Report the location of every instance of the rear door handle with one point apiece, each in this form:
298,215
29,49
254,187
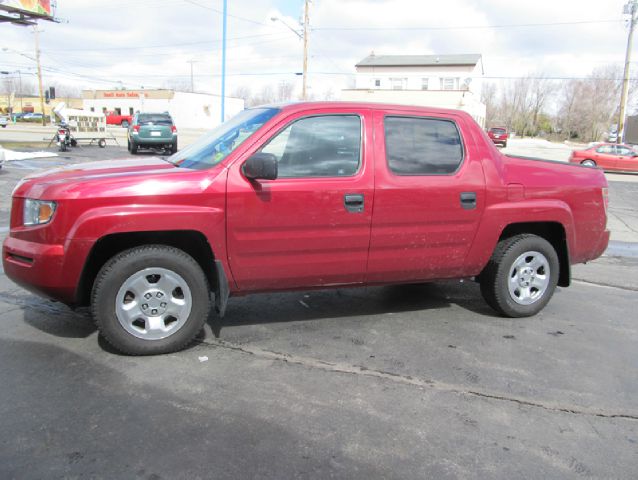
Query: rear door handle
354,203
468,200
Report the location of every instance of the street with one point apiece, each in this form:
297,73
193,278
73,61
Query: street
410,381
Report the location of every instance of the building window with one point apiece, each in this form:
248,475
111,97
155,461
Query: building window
398,83
377,82
424,84
93,109
449,83
130,111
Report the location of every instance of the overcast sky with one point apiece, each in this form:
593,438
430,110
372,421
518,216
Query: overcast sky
111,43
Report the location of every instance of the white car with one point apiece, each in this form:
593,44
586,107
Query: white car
4,121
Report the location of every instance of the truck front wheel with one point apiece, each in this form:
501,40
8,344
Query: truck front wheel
150,300
521,276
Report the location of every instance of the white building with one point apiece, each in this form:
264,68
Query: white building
447,81
189,110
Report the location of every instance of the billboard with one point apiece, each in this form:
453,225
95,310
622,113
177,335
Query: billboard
29,7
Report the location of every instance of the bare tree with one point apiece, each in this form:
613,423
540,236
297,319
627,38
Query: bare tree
489,98
588,107
540,91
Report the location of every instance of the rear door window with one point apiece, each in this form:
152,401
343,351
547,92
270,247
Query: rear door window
422,146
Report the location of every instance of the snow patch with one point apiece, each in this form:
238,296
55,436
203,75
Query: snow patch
10,155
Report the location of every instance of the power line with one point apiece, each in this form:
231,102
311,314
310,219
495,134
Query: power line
212,9
165,45
472,27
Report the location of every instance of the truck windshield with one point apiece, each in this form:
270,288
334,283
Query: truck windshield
213,147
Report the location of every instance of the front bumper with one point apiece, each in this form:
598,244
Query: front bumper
39,268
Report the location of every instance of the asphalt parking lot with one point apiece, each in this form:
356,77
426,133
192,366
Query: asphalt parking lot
421,381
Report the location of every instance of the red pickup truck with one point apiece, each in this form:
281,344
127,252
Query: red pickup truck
301,196
114,118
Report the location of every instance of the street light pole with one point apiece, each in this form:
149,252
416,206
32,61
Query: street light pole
37,59
225,21
306,20
303,36
630,8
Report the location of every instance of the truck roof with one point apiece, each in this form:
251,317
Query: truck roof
301,106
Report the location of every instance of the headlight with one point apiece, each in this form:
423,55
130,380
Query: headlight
37,212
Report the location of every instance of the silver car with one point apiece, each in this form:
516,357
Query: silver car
4,121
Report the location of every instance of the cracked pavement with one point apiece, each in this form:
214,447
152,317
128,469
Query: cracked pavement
419,381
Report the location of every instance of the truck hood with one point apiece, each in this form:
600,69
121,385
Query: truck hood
82,171
113,177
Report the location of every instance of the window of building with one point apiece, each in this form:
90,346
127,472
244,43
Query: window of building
424,84
377,82
93,109
449,83
118,111
398,83
323,146
422,146
130,111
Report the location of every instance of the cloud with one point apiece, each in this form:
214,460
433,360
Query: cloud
149,42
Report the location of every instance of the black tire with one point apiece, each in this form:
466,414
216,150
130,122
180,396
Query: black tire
62,147
174,147
124,124
133,147
118,272
588,162
495,278
504,144
101,143
74,142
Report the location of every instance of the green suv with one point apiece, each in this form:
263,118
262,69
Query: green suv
152,130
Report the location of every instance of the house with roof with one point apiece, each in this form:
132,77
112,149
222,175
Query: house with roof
447,81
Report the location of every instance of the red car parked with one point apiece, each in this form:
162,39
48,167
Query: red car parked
498,135
608,156
300,196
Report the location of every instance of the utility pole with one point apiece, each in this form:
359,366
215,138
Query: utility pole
37,59
306,21
630,8
192,83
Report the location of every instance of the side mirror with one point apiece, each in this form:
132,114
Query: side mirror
261,166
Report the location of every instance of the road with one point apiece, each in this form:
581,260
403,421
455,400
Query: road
420,381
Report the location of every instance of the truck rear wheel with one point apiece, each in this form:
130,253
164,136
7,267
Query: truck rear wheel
150,300
521,276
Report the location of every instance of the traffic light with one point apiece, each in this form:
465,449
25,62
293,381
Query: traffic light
47,97
52,93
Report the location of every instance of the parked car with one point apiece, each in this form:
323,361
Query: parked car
608,156
32,116
282,198
114,118
498,135
4,121
152,130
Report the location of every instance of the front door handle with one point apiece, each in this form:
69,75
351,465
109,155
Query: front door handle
468,200
354,203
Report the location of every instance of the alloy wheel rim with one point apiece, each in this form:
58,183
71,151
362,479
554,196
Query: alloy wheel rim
153,303
529,278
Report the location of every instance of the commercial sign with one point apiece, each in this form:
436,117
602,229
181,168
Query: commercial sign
37,7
